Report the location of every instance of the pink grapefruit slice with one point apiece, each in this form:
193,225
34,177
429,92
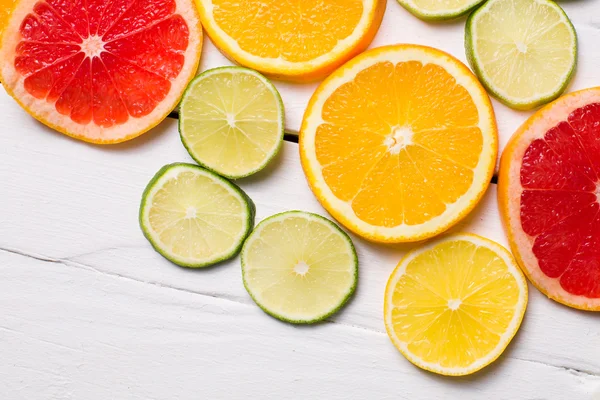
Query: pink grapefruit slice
103,71
549,196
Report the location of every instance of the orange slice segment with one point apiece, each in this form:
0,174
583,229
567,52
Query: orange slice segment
293,39
400,143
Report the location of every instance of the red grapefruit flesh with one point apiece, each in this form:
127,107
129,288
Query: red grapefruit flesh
549,194
103,71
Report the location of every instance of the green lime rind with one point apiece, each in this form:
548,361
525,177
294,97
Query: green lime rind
250,211
477,68
317,318
439,16
280,107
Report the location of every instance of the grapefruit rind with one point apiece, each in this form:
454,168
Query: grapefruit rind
155,185
506,337
134,127
278,68
341,210
510,190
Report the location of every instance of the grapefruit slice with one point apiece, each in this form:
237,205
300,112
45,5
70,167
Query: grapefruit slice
549,199
103,71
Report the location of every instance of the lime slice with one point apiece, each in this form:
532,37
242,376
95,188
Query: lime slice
231,121
299,267
436,10
193,217
523,51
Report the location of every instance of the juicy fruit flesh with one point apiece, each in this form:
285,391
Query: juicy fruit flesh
399,142
101,61
196,217
524,46
560,209
294,30
441,5
299,267
454,303
231,122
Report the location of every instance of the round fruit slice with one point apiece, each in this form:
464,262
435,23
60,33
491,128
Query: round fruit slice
296,41
299,267
193,217
549,196
231,121
6,7
452,306
400,143
102,71
435,10
524,51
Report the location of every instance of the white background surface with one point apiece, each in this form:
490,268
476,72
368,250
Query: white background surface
89,312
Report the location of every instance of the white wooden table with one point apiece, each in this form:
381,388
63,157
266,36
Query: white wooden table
88,311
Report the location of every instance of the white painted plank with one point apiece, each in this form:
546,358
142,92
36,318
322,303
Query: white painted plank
66,200
399,26
68,332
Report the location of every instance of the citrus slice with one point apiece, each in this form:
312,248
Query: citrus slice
400,143
524,51
6,7
299,267
231,121
298,40
453,306
193,217
102,71
549,197
436,10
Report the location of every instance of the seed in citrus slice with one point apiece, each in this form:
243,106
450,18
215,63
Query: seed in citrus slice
193,217
400,143
102,71
231,121
549,197
453,305
524,51
299,41
299,267
435,10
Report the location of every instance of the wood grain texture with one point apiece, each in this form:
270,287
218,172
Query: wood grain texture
399,26
90,311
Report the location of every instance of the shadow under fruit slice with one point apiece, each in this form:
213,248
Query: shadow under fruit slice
299,267
400,143
549,196
102,71
453,305
194,217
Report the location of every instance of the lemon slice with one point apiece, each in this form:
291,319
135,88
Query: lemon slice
193,217
231,121
436,10
524,51
453,305
299,267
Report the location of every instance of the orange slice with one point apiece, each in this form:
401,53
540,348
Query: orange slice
6,7
293,40
102,71
400,143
